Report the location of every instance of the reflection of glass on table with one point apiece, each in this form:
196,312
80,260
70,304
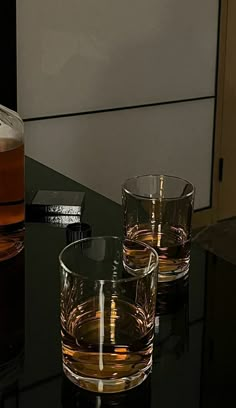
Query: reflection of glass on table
172,319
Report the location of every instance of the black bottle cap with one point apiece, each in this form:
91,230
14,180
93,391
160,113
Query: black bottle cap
76,231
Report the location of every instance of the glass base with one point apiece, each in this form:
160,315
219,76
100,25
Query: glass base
108,386
11,244
170,276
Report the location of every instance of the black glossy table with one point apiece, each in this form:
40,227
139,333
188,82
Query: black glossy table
195,342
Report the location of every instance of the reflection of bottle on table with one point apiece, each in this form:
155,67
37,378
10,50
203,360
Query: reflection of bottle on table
11,321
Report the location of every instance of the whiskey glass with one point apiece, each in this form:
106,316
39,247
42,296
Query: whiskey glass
158,210
108,299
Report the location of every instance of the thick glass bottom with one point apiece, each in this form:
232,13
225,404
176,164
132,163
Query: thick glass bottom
108,385
169,276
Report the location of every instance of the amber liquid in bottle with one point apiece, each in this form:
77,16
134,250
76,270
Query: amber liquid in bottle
11,196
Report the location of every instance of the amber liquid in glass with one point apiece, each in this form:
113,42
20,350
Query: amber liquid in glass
11,195
107,343
172,246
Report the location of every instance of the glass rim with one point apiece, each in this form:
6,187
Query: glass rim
10,115
144,197
112,237
9,111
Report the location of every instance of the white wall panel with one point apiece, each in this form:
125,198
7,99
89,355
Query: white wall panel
79,55
102,150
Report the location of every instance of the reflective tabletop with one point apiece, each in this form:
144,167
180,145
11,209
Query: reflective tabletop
195,335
